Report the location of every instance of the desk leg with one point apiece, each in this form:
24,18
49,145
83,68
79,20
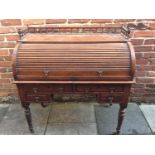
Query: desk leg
28,117
121,115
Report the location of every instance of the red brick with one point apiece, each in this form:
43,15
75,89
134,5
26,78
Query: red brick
143,48
8,58
150,41
143,33
5,69
2,58
1,38
7,44
151,73
139,95
89,30
137,41
139,90
149,55
11,51
4,52
6,86
10,22
124,20
101,20
114,25
152,62
148,91
137,85
78,20
5,63
5,58
33,21
141,61
5,81
55,21
152,25
145,80
6,75
142,20
4,30
14,93
9,69
2,93
140,73
150,85
12,37
146,68
2,69
138,55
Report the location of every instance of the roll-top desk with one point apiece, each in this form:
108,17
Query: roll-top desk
50,60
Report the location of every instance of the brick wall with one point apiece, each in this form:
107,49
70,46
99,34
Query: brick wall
143,41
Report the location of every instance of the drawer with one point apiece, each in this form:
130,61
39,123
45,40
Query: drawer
37,98
109,98
60,88
48,88
99,88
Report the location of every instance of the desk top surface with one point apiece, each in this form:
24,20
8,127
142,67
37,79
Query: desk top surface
49,37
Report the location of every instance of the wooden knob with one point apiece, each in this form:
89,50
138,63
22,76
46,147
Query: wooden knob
35,90
60,89
37,98
46,73
100,73
112,90
110,99
87,90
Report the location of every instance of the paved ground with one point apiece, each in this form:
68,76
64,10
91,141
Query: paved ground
77,119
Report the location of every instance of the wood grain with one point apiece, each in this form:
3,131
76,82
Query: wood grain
102,64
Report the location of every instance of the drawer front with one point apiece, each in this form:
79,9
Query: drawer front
100,88
37,98
48,88
60,88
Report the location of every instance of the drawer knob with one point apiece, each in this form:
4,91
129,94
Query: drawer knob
110,99
37,98
100,73
35,90
60,89
112,90
46,73
87,90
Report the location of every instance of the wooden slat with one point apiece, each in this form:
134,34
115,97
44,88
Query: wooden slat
78,61
73,72
73,50
74,63
74,46
77,69
68,53
67,57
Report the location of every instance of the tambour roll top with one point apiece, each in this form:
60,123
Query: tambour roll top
74,57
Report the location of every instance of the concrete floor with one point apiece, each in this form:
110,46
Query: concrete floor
77,119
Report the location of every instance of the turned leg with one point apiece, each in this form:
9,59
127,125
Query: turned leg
121,115
28,117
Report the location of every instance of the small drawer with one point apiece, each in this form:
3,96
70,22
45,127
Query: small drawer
113,89
37,98
60,88
48,88
100,88
89,88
